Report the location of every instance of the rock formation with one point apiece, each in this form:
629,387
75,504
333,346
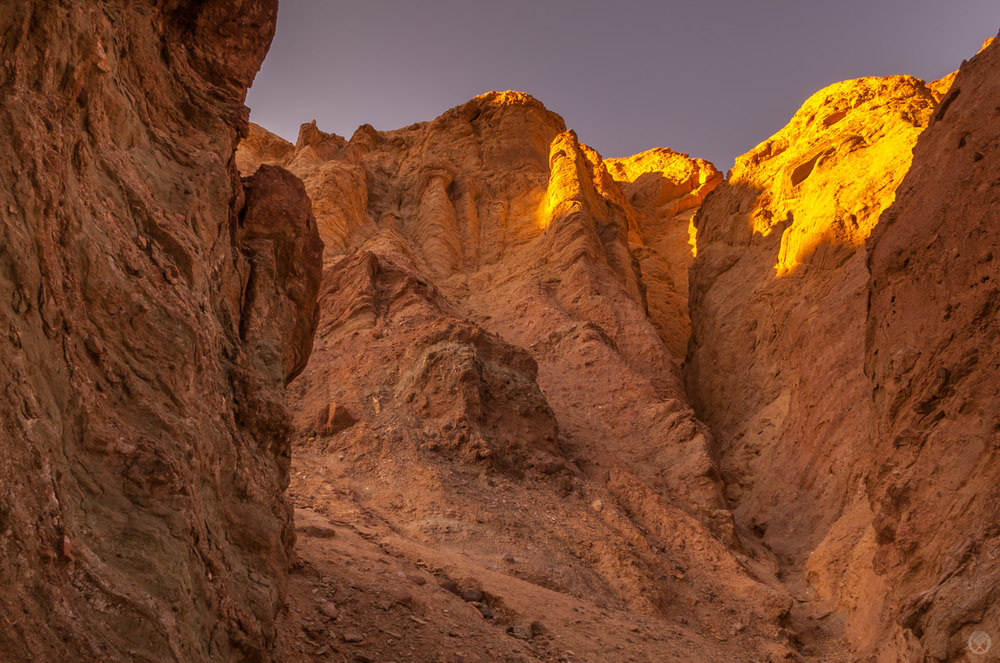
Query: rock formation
879,509
496,401
143,426
778,307
932,357
484,323
665,189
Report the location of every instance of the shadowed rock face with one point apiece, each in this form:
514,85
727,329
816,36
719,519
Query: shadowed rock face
778,304
933,357
143,426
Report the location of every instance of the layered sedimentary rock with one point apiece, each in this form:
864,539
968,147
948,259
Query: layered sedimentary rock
486,373
143,427
869,502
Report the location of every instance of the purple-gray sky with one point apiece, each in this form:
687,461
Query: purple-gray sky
711,78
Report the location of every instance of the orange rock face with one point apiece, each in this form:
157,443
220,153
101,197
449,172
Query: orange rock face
932,357
868,503
665,189
778,304
498,453
484,326
143,431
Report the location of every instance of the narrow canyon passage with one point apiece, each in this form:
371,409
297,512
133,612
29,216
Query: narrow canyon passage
469,391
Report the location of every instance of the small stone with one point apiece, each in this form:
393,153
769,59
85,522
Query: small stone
94,346
508,558
471,595
417,579
519,632
597,505
485,611
332,418
448,584
328,610
536,628
352,636
315,630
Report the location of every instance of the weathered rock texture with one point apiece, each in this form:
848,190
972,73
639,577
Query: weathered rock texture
933,357
778,304
881,510
143,432
665,189
487,376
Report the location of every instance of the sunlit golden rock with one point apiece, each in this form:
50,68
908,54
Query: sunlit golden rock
664,188
778,307
823,180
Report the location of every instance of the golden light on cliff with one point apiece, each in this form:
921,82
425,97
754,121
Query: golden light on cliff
547,209
823,181
693,237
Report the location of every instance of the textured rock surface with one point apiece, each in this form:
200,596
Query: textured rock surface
484,325
932,355
665,189
880,510
143,427
778,304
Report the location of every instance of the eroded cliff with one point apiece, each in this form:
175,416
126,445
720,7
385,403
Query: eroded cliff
496,454
487,376
841,308
932,358
143,427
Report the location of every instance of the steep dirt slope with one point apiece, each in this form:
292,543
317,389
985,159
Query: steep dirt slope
790,338
933,359
143,431
488,392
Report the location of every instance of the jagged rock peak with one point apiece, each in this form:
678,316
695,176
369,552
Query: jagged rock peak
310,134
508,98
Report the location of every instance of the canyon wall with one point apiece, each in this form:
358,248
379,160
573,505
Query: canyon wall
152,313
778,306
932,356
488,374
851,415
